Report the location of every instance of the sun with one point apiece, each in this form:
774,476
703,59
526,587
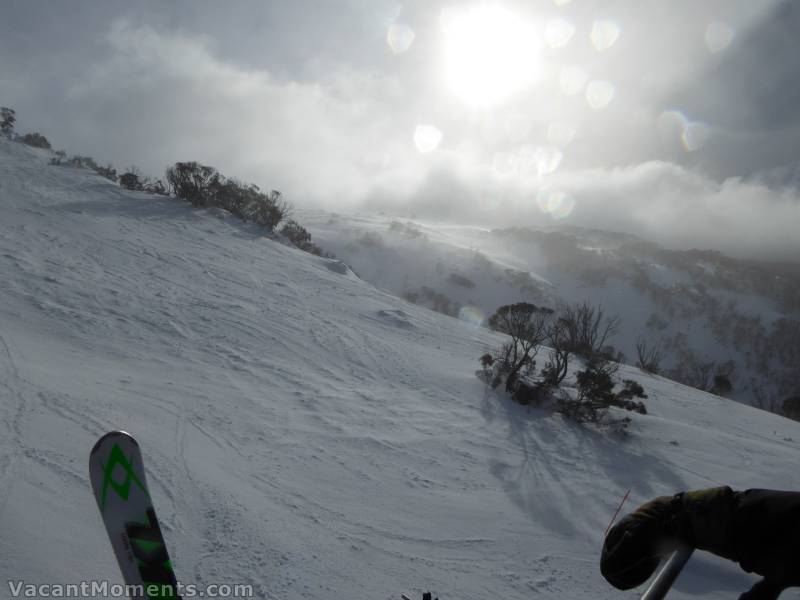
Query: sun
490,53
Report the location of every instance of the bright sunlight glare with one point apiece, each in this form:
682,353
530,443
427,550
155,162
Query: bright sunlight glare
490,53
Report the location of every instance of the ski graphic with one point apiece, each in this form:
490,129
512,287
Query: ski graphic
120,489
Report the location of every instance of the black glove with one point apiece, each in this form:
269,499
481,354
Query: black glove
760,529
767,540
634,546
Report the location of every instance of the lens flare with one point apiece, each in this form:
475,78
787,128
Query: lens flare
557,204
505,164
528,160
572,80
545,160
669,119
604,34
427,138
719,36
599,94
558,33
694,136
561,134
399,37
472,315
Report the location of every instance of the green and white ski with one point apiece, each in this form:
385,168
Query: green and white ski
120,488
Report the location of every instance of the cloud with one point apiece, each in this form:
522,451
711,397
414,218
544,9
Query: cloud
658,201
346,141
169,98
683,208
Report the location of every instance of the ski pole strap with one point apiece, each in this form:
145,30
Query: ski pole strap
668,574
614,518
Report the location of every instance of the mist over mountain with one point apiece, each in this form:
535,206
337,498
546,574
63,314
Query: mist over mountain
708,311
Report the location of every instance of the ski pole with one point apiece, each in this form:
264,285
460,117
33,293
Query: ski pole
668,574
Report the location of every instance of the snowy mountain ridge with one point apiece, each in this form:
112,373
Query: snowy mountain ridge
711,314
304,431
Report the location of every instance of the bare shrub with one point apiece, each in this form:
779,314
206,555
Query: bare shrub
649,357
202,185
190,181
595,384
461,280
131,180
83,162
526,324
37,140
722,385
59,158
7,119
791,407
155,187
371,239
556,368
109,172
267,210
300,237
588,328
701,375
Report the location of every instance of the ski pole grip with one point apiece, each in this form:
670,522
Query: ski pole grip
668,574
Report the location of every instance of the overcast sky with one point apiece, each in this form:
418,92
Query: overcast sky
675,120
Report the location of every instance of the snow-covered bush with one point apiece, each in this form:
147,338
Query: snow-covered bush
300,237
130,181
556,368
109,172
588,328
205,186
595,385
722,385
191,181
268,210
409,230
371,239
155,187
83,162
434,300
133,180
7,119
232,196
531,392
59,158
649,356
526,324
461,280
37,140
791,408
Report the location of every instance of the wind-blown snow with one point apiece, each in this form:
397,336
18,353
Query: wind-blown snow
303,431
733,315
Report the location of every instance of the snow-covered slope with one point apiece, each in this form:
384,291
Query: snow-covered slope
304,431
703,308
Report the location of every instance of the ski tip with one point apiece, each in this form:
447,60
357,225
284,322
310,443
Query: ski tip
116,433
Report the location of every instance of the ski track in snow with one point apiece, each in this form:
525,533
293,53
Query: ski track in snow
304,432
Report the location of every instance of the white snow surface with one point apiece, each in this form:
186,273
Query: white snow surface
303,431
